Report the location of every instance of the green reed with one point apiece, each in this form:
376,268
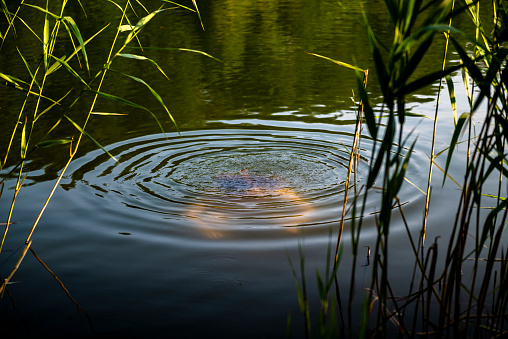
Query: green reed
441,301
53,29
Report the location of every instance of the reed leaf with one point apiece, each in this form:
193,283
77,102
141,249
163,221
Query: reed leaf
177,49
56,17
71,71
129,103
72,53
106,113
51,106
71,26
117,5
425,81
456,133
451,93
179,5
29,28
381,70
370,117
82,131
154,93
45,40
474,72
199,15
32,76
7,14
51,143
340,63
400,175
24,142
142,58
139,25
13,82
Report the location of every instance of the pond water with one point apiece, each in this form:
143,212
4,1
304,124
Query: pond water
189,234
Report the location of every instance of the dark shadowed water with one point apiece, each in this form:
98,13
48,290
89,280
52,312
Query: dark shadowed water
189,234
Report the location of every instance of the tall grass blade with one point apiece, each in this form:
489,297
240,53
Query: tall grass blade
154,93
51,143
129,103
455,137
199,15
177,49
71,26
451,93
142,58
71,54
179,5
54,16
139,25
24,143
32,75
82,131
71,70
45,40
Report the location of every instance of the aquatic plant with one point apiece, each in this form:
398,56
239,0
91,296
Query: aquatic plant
63,48
434,306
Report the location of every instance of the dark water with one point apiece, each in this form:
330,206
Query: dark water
189,234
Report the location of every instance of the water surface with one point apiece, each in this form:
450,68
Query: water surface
189,233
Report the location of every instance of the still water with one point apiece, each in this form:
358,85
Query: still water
189,235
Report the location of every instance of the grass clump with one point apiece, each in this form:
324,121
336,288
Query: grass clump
444,300
64,48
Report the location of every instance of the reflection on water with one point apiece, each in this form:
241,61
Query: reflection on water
226,180
176,201
249,200
178,234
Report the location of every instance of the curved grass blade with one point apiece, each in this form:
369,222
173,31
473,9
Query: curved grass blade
70,55
51,106
142,6
117,5
71,26
178,49
28,27
32,76
154,93
72,71
56,17
45,41
369,115
51,143
107,113
451,93
176,4
14,83
140,24
199,15
90,137
24,143
142,58
474,71
381,70
129,103
7,14
426,80
340,63
458,130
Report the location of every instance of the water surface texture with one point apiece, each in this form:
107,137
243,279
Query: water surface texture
189,234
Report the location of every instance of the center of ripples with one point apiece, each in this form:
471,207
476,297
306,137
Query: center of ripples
217,180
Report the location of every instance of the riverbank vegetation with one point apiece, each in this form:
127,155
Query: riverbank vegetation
445,299
64,49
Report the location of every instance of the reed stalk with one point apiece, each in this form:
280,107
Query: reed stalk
48,66
443,304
